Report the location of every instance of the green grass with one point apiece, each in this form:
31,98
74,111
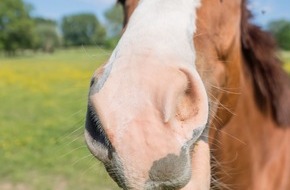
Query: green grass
42,109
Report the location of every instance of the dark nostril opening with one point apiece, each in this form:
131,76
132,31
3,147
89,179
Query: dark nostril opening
94,128
103,149
92,81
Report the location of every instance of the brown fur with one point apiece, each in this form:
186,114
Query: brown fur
128,7
249,140
271,83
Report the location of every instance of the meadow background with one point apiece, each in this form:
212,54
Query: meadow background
43,96
43,105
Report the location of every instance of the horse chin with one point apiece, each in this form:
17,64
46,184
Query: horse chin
170,172
175,177
190,170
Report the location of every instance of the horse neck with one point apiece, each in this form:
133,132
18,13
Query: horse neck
259,127
172,25
251,148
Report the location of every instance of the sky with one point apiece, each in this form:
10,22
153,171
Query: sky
264,10
56,9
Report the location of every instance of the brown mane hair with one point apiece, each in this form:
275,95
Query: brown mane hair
271,83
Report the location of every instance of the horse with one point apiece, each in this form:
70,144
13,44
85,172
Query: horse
192,97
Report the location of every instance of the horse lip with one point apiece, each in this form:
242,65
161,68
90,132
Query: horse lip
110,160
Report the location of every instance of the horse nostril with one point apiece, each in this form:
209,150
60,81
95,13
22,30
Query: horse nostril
102,149
93,125
97,141
92,82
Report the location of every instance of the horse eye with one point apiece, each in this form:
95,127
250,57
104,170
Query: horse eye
122,2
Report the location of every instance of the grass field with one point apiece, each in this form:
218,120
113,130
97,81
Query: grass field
42,109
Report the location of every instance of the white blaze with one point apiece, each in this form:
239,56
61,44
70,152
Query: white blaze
165,27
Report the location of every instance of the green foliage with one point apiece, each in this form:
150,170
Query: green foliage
47,38
114,17
82,29
281,31
43,105
16,26
111,42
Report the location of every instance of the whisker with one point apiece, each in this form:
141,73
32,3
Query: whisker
103,52
225,90
90,167
72,151
73,132
74,140
219,103
89,155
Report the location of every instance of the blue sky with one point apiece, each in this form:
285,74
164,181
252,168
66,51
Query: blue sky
264,10
56,9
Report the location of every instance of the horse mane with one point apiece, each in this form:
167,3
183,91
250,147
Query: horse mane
270,82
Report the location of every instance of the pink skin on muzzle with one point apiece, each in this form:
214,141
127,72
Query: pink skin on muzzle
153,115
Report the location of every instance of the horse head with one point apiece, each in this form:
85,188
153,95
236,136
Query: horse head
175,71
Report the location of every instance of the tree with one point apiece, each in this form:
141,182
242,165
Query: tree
283,37
47,38
114,22
281,31
16,26
114,17
82,29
